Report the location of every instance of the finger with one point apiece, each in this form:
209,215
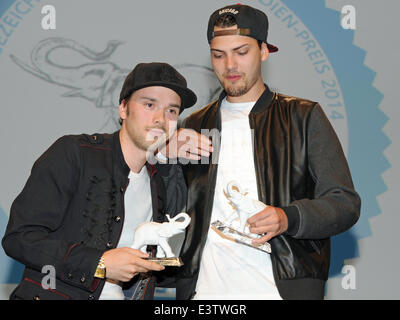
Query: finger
262,214
195,140
261,220
185,150
263,239
138,253
264,229
259,216
189,155
202,152
266,220
187,135
148,265
198,151
205,143
189,152
154,267
197,148
143,269
258,230
193,157
202,139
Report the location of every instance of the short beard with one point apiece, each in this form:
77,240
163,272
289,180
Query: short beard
144,143
236,92
149,144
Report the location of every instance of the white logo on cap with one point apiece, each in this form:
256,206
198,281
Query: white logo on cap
230,10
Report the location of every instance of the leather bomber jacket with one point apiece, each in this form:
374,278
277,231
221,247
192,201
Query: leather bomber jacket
300,167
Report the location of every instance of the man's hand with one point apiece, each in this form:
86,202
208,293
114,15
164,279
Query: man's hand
122,264
187,143
271,221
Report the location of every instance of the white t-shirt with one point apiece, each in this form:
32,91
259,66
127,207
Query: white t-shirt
229,270
138,209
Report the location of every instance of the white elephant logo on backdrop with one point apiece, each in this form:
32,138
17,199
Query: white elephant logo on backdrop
100,80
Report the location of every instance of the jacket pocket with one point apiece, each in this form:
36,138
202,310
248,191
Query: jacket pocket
30,289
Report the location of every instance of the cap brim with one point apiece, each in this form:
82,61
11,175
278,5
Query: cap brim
188,97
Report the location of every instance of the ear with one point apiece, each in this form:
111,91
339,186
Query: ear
264,52
123,109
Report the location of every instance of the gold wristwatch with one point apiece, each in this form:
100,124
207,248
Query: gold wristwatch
101,269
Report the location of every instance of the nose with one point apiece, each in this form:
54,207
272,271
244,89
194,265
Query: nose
159,116
230,63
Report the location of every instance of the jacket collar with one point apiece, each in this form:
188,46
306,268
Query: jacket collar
118,155
262,103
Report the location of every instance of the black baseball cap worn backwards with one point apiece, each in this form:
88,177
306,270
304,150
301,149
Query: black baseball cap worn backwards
250,22
158,74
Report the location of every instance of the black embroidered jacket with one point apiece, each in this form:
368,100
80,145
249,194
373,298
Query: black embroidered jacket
71,210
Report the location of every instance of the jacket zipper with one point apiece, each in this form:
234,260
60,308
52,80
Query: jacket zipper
261,191
213,170
212,174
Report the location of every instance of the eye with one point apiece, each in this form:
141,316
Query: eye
242,53
217,55
172,112
148,105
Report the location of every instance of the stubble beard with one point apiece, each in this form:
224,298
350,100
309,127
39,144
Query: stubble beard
237,89
149,142
233,91
240,87
145,142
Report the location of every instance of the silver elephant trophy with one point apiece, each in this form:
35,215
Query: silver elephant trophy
235,227
156,233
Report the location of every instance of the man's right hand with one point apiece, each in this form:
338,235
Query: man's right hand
122,264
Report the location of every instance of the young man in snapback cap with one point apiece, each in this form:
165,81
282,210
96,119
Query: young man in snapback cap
87,194
284,151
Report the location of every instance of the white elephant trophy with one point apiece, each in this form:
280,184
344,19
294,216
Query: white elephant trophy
245,207
156,233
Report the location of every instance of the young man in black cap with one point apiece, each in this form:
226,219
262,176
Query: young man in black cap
87,194
283,150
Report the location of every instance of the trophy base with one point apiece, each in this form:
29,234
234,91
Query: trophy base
167,262
234,235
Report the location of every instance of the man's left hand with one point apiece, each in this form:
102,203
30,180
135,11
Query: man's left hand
271,221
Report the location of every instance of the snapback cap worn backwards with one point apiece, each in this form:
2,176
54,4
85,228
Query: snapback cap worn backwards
158,74
251,22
